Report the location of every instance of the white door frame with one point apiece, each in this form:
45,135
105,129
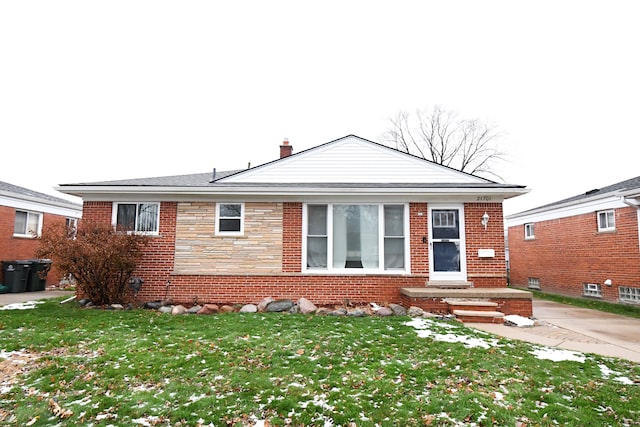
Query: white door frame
448,275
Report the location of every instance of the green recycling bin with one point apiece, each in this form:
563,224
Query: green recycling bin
38,274
16,275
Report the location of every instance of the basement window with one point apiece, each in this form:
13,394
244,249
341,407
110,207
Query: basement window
606,221
591,290
230,219
628,294
534,283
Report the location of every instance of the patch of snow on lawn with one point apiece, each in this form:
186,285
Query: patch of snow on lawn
423,331
558,355
21,305
607,372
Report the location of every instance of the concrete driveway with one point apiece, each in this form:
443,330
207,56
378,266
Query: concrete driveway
18,297
579,329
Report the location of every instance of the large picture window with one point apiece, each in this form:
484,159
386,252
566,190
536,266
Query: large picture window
137,217
357,237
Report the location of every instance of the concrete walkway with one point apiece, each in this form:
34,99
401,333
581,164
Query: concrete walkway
18,297
578,329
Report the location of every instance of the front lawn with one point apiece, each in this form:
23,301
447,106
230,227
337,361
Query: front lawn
141,368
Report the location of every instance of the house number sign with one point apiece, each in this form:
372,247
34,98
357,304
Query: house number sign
483,198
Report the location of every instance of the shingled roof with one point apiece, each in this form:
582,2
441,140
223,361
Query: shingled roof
18,192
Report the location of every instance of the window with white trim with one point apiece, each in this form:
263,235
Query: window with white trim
27,224
230,219
528,231
355,237
534,283
142,217
606,220
628,294
591,290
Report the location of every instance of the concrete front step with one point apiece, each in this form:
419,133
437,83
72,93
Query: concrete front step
474,316
477,305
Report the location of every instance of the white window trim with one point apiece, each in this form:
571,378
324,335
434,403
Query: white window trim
529,226
609,227
114,216
27,234
357,271
592,290
229,233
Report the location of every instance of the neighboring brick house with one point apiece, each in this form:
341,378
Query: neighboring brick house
583,246
346,220
23,214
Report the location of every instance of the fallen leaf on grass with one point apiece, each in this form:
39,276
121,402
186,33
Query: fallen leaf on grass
58,411
32,422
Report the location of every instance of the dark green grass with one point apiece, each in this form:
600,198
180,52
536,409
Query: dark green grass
128,368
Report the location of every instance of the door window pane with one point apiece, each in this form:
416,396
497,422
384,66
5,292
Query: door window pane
446,256
445,224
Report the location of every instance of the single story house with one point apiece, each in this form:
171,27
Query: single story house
584,246
23,214
349,220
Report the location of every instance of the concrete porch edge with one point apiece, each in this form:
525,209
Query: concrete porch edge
506,293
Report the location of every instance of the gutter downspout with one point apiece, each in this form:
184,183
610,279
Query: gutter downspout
624,200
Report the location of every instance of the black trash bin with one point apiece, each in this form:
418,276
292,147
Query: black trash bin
16,275
38,274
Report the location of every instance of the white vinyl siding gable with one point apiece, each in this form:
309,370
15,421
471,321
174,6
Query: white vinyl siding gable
353,160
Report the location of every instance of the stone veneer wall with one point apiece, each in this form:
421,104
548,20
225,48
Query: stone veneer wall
200,251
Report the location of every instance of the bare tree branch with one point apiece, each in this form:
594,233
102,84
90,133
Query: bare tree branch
437,134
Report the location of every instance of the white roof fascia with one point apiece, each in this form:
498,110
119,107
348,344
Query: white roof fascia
577,207
351,160
107,193
33,204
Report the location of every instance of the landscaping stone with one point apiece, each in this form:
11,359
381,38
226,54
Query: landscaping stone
165,309
323,311
339,312
116,307
398,310
357,313
178,309
82,302
209,309
306,306
154,305
249,308
195,309
415,311
262,305
279,306
227,309
384,312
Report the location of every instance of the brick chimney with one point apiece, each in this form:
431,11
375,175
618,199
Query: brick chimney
285,149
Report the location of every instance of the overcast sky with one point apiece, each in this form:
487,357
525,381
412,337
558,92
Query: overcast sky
106,90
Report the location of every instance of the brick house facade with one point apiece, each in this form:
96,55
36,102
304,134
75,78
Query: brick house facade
585,246
23,214
347,220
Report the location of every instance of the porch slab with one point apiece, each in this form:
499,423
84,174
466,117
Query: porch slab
503,293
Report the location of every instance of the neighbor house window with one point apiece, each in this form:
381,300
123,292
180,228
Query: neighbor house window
628,294
606,221
27,224
355,237
528,231
229,218
137,217
534,283
72,227
591,290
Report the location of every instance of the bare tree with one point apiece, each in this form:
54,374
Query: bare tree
437,134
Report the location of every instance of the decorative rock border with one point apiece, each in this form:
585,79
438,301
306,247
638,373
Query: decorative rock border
272,305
